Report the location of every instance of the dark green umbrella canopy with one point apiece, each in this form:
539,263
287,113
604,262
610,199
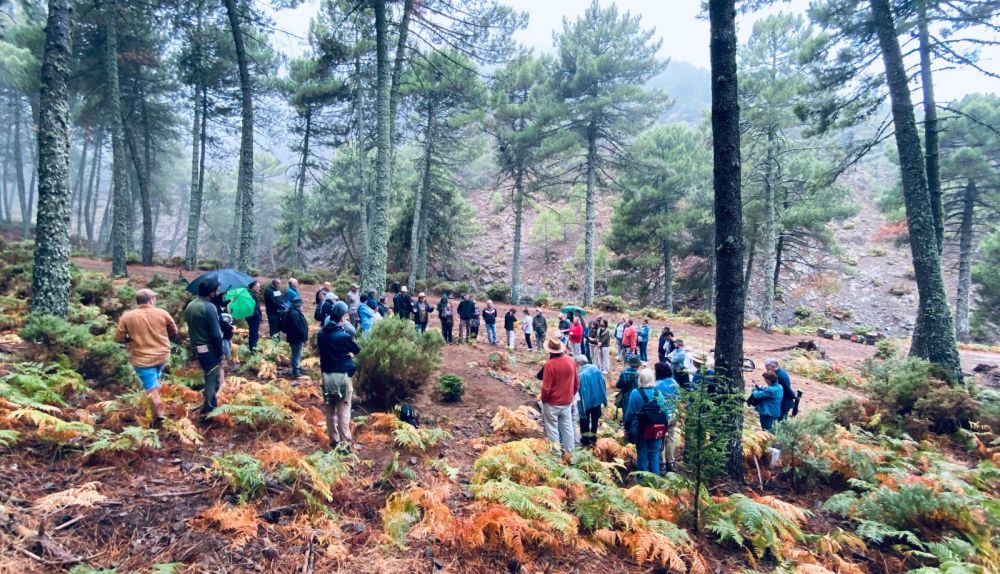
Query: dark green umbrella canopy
573,310
227,278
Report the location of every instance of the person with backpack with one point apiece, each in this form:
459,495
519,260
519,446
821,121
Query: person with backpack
447,316
292,291
646,422
670,391
540,326
473,327
563,328
325,308
509,324
422,312
466,310
527,328
767,400
297,333
703,372
490,320
642,339
366,316
628,380
202,319
336,361
274,305
678,362
560,385
593,398
321,293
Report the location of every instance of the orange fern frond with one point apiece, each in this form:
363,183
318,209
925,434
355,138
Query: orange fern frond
240,521
650,546
521,422
85,495
812,569
278,453
610,450
786,509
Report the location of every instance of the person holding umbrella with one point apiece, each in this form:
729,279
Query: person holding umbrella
206,340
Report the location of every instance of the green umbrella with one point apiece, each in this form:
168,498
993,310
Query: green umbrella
573,310
241,302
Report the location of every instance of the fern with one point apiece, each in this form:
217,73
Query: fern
131,439
243,472
240,521
184,430
521,422
535,502
413,439
40,386
877,532
325,469
744,520
50,427
8,437
252,416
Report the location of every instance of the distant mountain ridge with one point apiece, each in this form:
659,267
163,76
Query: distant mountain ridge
690,87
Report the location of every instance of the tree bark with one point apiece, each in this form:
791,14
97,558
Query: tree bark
194,203
244,178
965,262
120,196
397,68
730,297
145,202
420,198
934,335
94,188
668,277
50,278
777,262
22,193
4,174
373,268
80,191
748,271
770,236
590,223
515,265
300,196
710,296
931,152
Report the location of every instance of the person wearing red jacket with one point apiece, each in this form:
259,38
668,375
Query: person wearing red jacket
560,386
630,340
576,337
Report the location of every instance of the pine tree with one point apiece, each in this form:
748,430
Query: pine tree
120,202
603,63
50,281
245,256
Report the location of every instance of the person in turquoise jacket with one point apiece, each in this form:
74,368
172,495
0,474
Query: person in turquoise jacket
593,399
768,400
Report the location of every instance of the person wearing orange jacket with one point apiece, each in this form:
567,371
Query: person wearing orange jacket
630,339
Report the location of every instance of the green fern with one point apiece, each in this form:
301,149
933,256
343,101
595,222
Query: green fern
763,527
413,439
726,530
601,506
536,502
40,386
8,437
131,439
50,427
878,532
253,415
243,472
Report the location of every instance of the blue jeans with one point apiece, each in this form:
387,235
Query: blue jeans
421,327
648,455
491,333
296,356
642,350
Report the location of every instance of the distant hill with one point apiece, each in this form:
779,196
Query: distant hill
691,89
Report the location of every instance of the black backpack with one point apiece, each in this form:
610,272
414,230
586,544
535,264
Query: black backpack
408,414
652,420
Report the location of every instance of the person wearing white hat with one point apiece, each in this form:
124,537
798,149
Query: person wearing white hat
560,386
402,305
422,312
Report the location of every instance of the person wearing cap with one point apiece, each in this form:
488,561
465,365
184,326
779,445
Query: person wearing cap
297,333
540,326
628,380
703,371
509,327
402,305
593,398
253,321
527,328
147,331
292,292
205,335
353,300
336,361
630,340
466,311
422,312
560,385
490,320
366,315
321,293
772,365
274,303
678,362
563,328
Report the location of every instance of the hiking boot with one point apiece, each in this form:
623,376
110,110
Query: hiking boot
157,422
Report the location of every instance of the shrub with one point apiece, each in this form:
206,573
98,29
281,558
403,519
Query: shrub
93,288
396,361
803,312
498,292
610,303
55,335
876,252
654,314
801,443
209,264
443,287
107,362
885,349
451,388
543,299
243,472
846,411
701,317
917,397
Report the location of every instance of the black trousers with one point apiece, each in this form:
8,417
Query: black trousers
273,325
589,420
253,323
211,364
527,340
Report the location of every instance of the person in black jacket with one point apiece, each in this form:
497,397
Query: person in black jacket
253,321
510,325
274,302
422,312
666,344
336,360
466,311
297,333
402,305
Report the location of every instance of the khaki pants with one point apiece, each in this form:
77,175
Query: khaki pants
338,409
670,441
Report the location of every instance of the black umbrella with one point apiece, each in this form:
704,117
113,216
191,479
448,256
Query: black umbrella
227,278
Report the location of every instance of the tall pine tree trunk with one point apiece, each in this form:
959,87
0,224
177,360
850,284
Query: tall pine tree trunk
120,196
965,262
668,277
931,152
397,68
145,203
590,222
515,264
244,178
420,198
770,236
748,270
710,295
80,190
373,266
729,296
5,175
194,203
300,196
50,281
94,188
22,193
934,335
360,156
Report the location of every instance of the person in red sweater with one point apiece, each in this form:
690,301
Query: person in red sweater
576,337
630,340
560,386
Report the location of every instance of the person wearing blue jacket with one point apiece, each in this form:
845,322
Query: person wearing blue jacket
366,315
642,334
768,400
647,450
593,399
336,360
670,391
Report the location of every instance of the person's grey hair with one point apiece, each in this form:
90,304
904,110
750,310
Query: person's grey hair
771,362
647,378
581,359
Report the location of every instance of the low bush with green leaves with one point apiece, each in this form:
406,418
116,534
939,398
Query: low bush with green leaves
243,472
396,361
886,349
450,387
498,292
916,397
610,303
